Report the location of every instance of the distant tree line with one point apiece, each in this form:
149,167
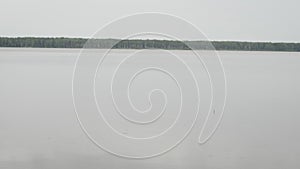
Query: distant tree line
42,42
34,42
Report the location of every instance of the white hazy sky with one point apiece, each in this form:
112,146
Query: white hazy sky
249,20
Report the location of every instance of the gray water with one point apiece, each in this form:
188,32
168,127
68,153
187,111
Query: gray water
39,128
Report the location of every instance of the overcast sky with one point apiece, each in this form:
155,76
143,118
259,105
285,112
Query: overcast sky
248,20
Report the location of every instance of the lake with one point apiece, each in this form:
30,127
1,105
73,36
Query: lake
39,127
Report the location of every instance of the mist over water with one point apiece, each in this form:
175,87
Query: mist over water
39,128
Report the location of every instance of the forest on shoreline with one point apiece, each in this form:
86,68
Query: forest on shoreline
37,42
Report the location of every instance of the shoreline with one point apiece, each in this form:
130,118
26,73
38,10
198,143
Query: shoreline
79,43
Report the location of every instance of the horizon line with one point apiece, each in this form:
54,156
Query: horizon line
210,40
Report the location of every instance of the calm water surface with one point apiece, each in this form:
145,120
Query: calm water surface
39,128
